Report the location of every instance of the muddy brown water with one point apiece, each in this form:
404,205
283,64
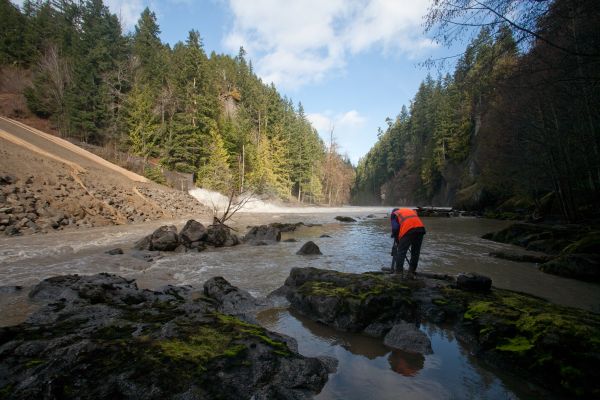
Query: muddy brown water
367,368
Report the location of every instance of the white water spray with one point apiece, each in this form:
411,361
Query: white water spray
216,200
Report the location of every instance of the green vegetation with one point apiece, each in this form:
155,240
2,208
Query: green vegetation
206,344
543,338
175,106
514,129
155,174
357,290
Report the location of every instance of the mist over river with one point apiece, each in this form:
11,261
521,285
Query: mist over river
367,368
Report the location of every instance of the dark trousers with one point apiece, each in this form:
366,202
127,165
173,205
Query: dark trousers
412,239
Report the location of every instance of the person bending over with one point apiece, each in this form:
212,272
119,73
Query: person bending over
408,231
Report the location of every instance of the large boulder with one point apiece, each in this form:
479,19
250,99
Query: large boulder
220,236
408,337
473,282
585,267
309,248
164,238
263,233
349,302
231,299
101,337
193,231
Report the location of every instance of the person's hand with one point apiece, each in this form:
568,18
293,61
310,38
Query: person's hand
392,235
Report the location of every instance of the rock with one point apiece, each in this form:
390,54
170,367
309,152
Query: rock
378,329
12,231
290,240
263,233
345,219
102,337
349,302
7,179
181,249
324,236
521,257
407,337
331,363
585,267
309,248
473,282
10,289
231,299
221,236
114,252
286,227
164,238
371,216
193,231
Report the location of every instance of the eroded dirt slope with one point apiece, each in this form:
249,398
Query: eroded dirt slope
48,183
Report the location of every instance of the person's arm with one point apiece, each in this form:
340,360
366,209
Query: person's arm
395,226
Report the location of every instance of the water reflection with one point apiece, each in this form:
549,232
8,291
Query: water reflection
405,363
368,369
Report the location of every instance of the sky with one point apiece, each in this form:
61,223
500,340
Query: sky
352,63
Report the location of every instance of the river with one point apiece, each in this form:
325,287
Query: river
367,368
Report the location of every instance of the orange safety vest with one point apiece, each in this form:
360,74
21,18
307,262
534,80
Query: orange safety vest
407,219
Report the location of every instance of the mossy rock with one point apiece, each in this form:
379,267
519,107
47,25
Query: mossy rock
167,346
584,267
588,244
557,345
349,301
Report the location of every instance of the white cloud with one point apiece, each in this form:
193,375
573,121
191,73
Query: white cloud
296,42
347,127
128,11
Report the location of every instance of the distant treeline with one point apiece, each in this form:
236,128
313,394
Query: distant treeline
210,115
516,125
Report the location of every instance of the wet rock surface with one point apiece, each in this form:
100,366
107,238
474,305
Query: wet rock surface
521,257
102,337
473,282
574,248
408,337
309,248
263,233
193,237
556,347
342,218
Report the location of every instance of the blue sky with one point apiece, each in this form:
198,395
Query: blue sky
351,63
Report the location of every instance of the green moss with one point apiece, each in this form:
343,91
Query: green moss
517,344
6,391
206,344
440,302
245,329
359,287
475,310
544,339
34,363
590,243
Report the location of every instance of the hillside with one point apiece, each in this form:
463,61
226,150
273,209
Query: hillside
50,184
512,130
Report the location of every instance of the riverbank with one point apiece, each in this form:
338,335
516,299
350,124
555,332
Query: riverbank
48,184
572,251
